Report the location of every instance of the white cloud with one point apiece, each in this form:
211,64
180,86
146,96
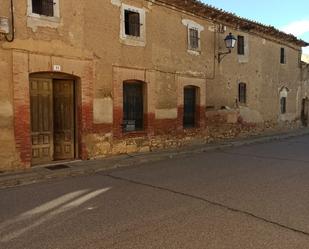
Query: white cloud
306,50
297,28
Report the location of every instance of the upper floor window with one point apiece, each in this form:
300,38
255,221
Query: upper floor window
43,8
242,93
132,30
241,45
132,23
194,36
282,56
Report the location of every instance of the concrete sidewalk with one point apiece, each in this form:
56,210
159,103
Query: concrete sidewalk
77,168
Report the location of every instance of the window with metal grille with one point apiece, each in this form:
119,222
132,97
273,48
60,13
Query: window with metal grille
194,38
282,56
189,107
242,93
283,105
241,45
43,7
132,23
133,106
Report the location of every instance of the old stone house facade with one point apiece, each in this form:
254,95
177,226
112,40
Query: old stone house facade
84,79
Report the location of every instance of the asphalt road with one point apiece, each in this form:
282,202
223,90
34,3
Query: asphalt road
253,196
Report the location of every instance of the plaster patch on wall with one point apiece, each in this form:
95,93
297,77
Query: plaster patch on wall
34,23
6,114
103,110
212,28
287,117
6,109
196,53
190,23
166,113
116,2
250,116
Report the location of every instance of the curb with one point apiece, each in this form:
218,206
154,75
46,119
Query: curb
79,168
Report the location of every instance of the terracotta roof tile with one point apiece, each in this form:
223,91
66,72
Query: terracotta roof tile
207,11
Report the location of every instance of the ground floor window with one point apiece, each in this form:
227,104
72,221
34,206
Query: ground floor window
283,105
242,93
189,108
133,106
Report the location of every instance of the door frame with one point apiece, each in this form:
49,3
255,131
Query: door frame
76,104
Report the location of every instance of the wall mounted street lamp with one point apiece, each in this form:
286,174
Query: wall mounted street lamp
230,42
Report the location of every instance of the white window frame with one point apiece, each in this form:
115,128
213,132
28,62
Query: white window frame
129,39
193,25
54,18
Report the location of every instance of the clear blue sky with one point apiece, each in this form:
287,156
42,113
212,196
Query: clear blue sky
290,16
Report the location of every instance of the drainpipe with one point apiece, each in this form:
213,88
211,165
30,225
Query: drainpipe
11,39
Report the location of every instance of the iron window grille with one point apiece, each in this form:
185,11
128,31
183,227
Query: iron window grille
242,93
132,23
241,45
133,107
194,38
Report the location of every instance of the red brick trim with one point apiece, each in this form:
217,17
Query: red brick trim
21,101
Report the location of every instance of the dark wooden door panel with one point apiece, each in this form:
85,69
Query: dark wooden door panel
41,120
63,119
189,107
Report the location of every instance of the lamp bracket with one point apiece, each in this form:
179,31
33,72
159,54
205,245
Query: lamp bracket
221,55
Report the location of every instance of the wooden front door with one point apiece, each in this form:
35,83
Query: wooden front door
63,119
41,96
52,120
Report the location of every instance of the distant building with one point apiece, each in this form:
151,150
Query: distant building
86,79
305,58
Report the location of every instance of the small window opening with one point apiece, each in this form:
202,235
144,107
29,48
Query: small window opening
132,23
242,93
241,45
133,106
283,105
43,7
282,56
194,38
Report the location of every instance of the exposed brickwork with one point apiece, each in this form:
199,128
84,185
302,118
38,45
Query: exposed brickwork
102,128
165,126
21,68
21,104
